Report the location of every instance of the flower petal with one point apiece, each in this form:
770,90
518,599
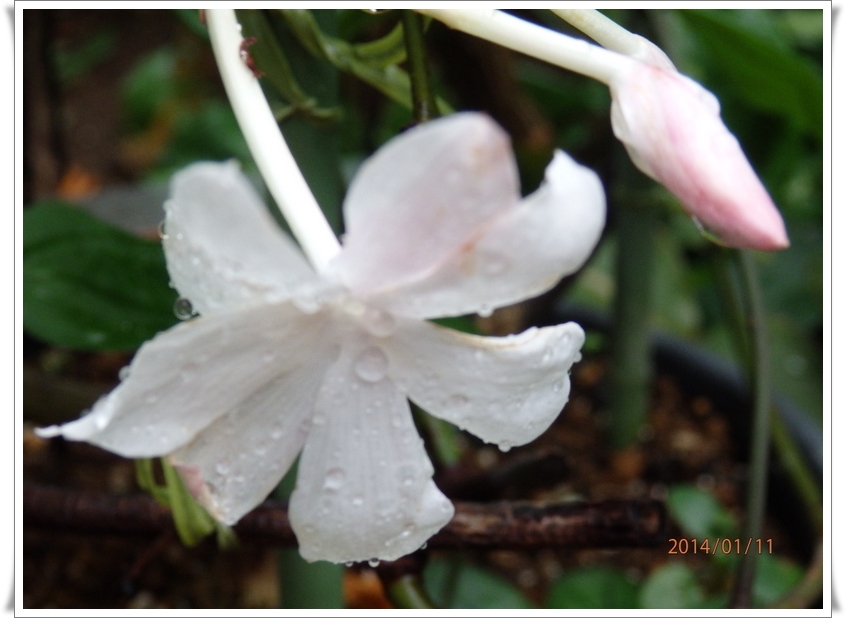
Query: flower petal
223,248
505,390
364,488
183,379
234,463
524,253
421,197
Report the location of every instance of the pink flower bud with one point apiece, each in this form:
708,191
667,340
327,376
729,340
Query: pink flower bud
672,129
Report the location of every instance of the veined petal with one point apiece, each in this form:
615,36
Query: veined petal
505,390
187,377
525,252
223,248
421,197
364,487
234,463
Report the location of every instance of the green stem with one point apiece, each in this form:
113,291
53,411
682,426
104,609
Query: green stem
797,468
425,105
630,371
406,592
761,410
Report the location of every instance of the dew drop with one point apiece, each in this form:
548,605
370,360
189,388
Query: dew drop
162,234
484,311
424,546
123,373
358,501
183,309
374,562
558,385
371,365
101,421
334,479
379,323
505,446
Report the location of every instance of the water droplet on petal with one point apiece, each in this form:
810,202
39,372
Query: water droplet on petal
123,373
334,479
558,385
373,562
371,365
101,421
484,311
378,322
424,546
358,501
349,564
162,234
494,264
183,309
505,446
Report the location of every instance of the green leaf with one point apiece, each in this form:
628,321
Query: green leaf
774,578
674,586
597,587
89,285
699,514
454,584
766,75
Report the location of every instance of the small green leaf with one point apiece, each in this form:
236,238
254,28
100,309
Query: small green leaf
774,578
597,587
89,285
699,514
457,584
673,586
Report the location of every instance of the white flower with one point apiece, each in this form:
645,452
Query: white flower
282,361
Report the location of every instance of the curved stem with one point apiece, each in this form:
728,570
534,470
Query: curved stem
536,41
268,147
762,406
613,36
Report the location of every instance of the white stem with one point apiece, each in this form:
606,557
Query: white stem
536,41
613,36
267,145
604,31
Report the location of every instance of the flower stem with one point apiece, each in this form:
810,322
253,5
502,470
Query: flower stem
604,31
268,147
630,370
536,41
422,95
761,410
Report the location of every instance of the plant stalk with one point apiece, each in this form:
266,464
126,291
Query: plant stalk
425,105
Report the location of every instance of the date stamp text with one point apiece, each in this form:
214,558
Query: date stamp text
719,545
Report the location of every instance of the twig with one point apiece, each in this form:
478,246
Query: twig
502,525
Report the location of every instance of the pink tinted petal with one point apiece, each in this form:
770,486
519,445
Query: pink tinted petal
525,251
672,129
223,248
239,459
185,378
421,197
364,487
505,390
